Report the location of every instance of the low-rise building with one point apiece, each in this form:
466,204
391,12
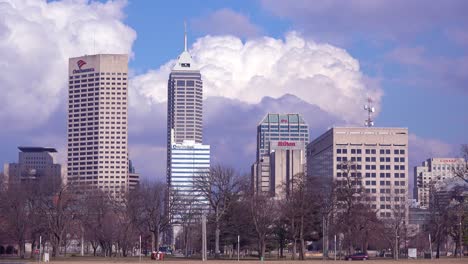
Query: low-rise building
33,163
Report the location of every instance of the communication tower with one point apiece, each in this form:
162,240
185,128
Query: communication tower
369,122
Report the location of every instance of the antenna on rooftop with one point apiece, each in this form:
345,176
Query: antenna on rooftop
185,36
370,109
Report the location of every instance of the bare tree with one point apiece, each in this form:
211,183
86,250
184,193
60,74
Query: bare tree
354,218
263,210
153,204
322,194
220,187
300,212
15,214
461,171
58,210
438,219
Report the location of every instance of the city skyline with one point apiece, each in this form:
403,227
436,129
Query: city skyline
231,64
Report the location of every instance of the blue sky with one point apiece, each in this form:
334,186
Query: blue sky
428,109
318,58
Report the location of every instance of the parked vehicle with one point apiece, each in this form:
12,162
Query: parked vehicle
357,256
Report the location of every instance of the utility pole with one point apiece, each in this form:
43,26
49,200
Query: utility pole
238,247
40,248
430,245
335,247
460,232
204,258
82,240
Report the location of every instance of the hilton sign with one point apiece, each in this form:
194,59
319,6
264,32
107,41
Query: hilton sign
286,145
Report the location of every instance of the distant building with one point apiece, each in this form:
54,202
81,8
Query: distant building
133,177
378,158
97,153
433,173
287,159
272,129
189,162
33,163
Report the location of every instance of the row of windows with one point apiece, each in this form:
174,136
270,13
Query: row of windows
100,142
70,106
100,85
97,108
96,114
370,151
94,94
77,80
186,83
97,74
371,175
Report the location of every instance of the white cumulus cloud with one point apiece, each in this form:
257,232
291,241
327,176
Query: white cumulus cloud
320,74
37,38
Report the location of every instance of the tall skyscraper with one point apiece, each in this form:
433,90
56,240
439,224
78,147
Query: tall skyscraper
187,158
185,101
33,163
433,173
377,159
273,128
97,122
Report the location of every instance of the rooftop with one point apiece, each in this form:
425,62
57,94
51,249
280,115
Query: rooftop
37,149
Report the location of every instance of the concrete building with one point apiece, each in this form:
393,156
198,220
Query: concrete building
133,177
187,158
97,122
433,173
33,163
189,162
275,127
287,159
376,156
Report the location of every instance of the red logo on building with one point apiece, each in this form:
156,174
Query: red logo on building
449,160
286,144
284,121
80,63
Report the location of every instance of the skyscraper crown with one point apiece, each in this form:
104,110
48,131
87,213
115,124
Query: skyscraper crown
185,61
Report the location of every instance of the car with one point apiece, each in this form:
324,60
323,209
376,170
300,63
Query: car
357,256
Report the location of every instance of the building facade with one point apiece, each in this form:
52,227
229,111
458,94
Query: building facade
275,127
287,159
378,158
97,122
189,162
33,163
432,173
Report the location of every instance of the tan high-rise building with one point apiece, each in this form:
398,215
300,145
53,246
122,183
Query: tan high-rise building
433,173
377,156
97,122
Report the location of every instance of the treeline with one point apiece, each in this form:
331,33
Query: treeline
308,214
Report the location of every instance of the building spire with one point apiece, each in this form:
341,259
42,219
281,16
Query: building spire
185,36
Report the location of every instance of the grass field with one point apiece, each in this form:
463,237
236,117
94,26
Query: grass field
97,260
